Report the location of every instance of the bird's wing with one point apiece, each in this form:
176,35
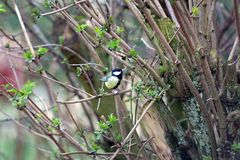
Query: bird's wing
104,79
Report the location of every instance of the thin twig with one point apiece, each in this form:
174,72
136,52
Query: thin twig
66,85
94,97
22,126
133,128
210,16
142,147
97,154
172,14
160,8
62,9
233,50
24,29
236,11
174,35
12,38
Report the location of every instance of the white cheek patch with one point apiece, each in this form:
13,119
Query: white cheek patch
116,73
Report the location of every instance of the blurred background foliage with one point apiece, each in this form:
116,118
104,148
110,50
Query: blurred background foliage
53,32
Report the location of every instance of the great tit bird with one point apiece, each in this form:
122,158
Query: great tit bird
113,79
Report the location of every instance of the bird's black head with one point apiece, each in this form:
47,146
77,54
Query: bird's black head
117,72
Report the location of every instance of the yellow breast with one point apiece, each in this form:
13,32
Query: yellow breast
112,82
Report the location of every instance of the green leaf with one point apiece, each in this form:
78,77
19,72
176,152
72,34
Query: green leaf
102,91
236,147
2,9
36,13
39,115
47,4
110,19
19,100
12,90
112,119
39,70
50,128
56,122
102,125
114,44
162,70
100,32
105,69
28,56
55,109
195,11
133,52
7,86
79,71
61,39
80,27
118,137
95,147
86,67
120,30
64,61
27,88
151,92
42,51
207,158
98,134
